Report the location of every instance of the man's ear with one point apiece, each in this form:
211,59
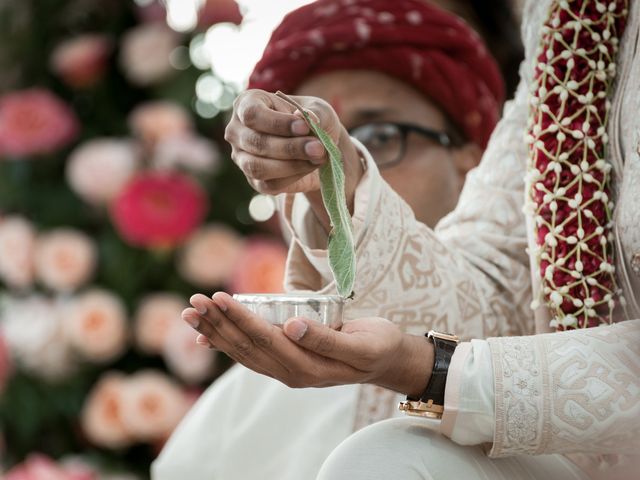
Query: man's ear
466,157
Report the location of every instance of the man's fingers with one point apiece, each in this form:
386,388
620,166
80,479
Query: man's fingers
322,340
263,169
281,148
267,113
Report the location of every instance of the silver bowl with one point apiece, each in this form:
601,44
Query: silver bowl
278,308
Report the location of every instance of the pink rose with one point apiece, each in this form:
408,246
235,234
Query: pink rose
156,121
81,61
17,250
41,467
98,169
184,357
6,366
196,154
32,328
145,53
101,417
153,405
96,325
260,268
33,122
159,210
65,259
210,255
154,318
218,11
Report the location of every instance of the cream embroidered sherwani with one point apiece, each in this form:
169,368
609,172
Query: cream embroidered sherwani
574,393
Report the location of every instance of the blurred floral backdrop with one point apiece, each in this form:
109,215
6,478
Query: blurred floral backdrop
117,202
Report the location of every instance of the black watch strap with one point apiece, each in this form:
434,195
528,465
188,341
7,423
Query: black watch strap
443,349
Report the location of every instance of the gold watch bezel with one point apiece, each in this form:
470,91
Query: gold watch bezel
418,408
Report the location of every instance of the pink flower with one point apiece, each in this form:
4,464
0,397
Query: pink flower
260,268
218,11
159,210
153,405
145,53
210,255
156,121
154,318
41,467
33,122
17,250
101,417
96,325
81,61
65,259
184,357
189,152
98,169
6,366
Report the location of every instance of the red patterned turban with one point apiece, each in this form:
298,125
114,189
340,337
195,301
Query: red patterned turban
411,40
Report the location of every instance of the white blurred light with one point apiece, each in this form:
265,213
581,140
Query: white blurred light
209,88
182,15
233,51
144,3
262,207
205,109
197,53
179,58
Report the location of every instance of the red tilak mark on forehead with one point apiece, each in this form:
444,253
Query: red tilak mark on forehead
336,103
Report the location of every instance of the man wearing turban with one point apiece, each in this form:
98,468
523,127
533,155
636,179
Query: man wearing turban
417,88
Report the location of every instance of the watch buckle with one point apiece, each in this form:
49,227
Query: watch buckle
421,409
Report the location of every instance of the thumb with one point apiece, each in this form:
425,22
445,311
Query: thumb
320,339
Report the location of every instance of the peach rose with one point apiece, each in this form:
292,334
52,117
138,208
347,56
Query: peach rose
96,325
17,246
81,61
260,268
210,255
192,153
6,366
158,120
184,357
101,417
154,318
153,405
98,169
65,259
145,53
32,328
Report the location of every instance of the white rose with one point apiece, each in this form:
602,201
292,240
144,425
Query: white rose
145,54
17,246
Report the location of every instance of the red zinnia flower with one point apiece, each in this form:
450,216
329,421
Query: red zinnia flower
159,210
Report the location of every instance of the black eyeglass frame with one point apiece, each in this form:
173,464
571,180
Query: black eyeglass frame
441,138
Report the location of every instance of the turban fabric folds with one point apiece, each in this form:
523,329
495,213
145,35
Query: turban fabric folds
428,48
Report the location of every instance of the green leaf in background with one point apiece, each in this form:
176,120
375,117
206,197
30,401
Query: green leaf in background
342,254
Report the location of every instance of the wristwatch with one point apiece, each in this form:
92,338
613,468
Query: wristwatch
431,402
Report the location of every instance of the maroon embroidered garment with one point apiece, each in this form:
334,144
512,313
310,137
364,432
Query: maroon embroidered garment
568,172
411,40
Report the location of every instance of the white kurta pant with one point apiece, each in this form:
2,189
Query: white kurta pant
412,449
252,427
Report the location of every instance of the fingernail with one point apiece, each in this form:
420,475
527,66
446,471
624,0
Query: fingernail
202,310
194,322
221,305
202,340
314,148
299,127
295,329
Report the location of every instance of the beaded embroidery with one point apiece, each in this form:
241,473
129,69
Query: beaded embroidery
568,176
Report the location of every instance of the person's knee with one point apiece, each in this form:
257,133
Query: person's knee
387,450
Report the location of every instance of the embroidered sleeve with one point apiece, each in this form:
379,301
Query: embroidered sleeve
576,391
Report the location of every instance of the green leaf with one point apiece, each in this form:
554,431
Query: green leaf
342,254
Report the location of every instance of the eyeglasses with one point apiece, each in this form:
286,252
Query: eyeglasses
387,141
